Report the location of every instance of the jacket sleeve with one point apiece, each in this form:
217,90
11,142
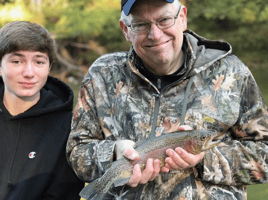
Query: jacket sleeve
90,145
243,158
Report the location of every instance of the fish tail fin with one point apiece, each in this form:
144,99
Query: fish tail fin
89,190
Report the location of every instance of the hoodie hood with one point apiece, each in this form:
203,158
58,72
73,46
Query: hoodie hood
55,96
204,52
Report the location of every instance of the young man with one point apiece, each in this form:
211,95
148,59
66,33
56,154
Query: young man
35,118
171,77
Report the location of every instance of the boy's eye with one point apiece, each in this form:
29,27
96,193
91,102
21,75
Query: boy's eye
16,61
40,62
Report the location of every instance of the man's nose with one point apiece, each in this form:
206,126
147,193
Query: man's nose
154,32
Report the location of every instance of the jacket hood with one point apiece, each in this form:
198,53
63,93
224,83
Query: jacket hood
55,96
204,52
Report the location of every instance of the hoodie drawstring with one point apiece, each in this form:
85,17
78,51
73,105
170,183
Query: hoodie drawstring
10,168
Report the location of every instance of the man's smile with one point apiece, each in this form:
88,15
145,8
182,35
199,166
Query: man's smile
158,45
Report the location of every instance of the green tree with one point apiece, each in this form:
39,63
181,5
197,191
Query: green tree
86,18
18,10
243,23
245,11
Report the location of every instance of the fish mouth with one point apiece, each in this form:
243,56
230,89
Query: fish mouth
213,141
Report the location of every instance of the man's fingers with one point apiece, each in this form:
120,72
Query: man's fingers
174,161
185,128
136,176
165,168
181,159
156,166
151,170
131,154
121,146
147,172
189,158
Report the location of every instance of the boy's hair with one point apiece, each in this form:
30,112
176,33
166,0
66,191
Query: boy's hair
26,36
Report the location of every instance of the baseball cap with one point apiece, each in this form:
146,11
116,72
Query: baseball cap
127,4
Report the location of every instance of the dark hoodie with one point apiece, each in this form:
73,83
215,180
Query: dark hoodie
32,145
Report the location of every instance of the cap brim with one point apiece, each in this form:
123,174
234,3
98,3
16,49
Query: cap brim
129,3
127,6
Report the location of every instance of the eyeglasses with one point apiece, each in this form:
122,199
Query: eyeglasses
162,23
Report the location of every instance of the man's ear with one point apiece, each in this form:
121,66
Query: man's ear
124,30
183,16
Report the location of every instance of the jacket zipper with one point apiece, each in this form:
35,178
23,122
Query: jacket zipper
156,110
157,104
159,84
157,97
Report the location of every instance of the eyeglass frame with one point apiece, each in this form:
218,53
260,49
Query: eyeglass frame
156,23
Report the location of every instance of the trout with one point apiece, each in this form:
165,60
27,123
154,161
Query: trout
194,141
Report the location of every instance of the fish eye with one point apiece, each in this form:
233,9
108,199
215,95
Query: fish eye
203,138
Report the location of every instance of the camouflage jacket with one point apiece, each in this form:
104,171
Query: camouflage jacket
117,102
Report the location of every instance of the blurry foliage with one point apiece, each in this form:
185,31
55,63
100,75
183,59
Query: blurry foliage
243,23
85,19
65,18
86,22
245,11
17,10
5,1
112,37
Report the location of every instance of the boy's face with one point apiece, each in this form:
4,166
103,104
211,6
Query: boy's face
24,74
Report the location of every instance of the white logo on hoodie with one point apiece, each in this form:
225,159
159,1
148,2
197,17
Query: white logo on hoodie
32,154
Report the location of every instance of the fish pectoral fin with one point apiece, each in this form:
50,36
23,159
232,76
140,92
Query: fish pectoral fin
121,181
89,190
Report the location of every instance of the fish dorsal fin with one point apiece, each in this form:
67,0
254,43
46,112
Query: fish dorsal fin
142,142
148,140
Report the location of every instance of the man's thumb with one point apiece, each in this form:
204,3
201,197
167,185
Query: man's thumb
131,154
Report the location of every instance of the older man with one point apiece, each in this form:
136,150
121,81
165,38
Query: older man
170,80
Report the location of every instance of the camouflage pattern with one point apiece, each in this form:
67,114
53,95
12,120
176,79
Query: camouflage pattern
117,102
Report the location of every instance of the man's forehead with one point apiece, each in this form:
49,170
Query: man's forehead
141,12
126,5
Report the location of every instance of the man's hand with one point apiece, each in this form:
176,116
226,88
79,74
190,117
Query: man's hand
180,159
125,148
151,170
